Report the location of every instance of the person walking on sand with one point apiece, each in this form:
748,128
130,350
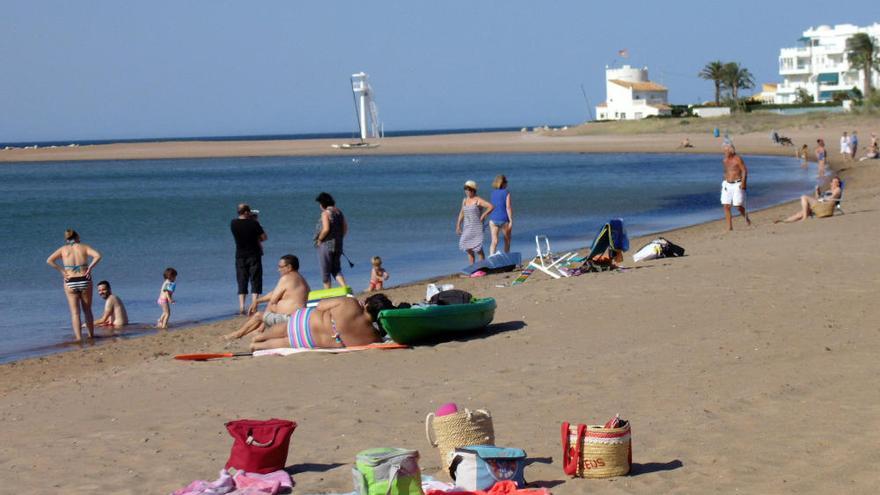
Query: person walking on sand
114,311
290,293
469,225
248,235
166,296
853,145
329,234
733,187
501,217
845,146
76,272
821,156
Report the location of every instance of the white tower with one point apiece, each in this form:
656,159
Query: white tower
365,106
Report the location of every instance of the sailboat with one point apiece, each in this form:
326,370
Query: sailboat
365,111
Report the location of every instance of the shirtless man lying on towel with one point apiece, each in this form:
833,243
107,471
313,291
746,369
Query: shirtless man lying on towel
337,322
290,294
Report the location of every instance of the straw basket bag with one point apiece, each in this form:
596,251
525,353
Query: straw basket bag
824,209
457,430
596,451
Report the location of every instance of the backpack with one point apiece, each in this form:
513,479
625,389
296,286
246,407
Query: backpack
479,467
387,471
448,297
670,249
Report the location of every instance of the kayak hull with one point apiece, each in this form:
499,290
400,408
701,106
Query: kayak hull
431,323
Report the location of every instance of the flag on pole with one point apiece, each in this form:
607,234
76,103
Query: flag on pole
623,53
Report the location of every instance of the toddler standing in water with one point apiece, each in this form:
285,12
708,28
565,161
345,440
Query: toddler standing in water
166,296
378,275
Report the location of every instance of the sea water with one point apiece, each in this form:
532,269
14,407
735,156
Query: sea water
146,215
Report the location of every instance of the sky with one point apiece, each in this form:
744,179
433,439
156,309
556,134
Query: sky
117,69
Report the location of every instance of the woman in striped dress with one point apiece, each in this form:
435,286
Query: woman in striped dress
469,225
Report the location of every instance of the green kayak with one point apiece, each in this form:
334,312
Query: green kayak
412,325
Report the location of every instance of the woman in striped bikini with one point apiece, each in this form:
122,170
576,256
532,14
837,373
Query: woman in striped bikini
76,270
337,322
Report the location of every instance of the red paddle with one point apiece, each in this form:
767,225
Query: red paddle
205,357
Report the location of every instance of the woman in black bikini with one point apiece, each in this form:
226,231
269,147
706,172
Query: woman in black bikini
76,270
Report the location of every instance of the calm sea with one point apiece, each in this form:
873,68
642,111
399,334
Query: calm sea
147,215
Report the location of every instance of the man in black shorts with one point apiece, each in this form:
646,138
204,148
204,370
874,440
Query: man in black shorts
249,235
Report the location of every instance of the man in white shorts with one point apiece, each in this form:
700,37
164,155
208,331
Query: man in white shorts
733,187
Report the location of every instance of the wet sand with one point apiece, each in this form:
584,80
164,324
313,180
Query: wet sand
750,364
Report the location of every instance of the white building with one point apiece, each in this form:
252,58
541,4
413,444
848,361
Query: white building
819,65
631,95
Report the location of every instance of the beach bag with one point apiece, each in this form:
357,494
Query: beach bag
449,297
597,451
259,446
479,467
670,249
387,471
457,430
823,209
658,248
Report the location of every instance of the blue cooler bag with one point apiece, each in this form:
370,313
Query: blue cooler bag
479,467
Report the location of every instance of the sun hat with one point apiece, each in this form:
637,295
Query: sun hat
471,185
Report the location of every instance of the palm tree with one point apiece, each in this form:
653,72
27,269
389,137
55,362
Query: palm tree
714,71
861,54
737,77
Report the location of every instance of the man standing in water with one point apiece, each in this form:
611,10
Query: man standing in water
248,234
733,187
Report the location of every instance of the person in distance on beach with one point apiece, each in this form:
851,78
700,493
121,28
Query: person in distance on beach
329,234
802,154
845,150
76,271
469,225
291,293
733,187
334,323
248,235
114,311
821,156
501,216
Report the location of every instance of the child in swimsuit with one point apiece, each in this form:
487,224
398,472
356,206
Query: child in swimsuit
166,296
378,275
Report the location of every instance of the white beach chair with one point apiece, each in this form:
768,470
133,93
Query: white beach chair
545,261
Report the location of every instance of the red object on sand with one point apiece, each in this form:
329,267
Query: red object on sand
259,446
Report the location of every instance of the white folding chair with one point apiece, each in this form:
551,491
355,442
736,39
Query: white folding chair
545,261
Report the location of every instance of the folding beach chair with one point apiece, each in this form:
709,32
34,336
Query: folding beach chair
611,238
545,261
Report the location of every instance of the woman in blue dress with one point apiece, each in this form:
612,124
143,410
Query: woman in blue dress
501,217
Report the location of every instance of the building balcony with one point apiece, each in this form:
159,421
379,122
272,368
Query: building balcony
799,51
801,69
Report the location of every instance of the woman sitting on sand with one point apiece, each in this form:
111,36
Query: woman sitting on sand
833,194
76,270
337,322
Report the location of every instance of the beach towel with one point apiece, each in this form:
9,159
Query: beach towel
286,351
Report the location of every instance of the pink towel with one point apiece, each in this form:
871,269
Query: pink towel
254,484
221,486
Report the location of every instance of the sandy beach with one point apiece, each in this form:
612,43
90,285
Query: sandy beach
748,365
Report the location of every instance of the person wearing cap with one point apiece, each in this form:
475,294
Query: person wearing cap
248,234
469,225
